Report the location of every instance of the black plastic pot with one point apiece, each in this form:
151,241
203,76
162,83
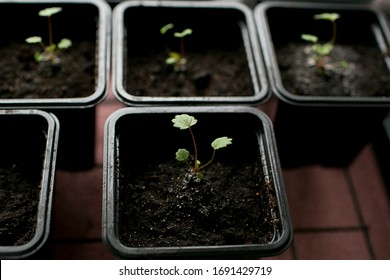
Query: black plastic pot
220,25
29,139
321,129
129,146
81,21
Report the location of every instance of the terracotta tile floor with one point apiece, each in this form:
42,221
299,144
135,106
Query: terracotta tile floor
337,213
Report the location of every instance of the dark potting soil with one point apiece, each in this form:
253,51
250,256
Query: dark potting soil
209,73
19,196
165,206
22,77
364,73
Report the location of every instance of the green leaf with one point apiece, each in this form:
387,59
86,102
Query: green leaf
309,38
173,58
170,60
51,48
182,154
184,33
38,57
49,11
34,40
327,16
64,44
199,177
184,121
165,28
221,142
323,49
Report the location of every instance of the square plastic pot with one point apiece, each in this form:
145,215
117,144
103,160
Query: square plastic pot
80,21
218,25
29,139
329,130
130,144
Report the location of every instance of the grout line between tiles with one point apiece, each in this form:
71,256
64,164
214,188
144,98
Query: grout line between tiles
361,227
294,252
359,213
76,241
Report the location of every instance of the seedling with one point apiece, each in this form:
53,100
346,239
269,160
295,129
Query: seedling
322,50
49,51
185,121
177,59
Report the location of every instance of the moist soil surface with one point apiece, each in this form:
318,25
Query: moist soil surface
22,77
164,206
19,196
214,72
350,71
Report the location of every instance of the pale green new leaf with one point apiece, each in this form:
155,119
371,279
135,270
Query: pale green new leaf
64,44
309,38
221,142
166,27
182,154
327,16
199,177
170,60
51,48
34,40
184,33
173,58
184,121
38,57
322,49
50,11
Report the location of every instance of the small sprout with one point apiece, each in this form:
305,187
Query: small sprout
182,34
49,51
322,50
165,28
185,121
327,16
48,12
64,44
177,59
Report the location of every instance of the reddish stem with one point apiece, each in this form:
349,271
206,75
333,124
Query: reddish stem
195,151
50,31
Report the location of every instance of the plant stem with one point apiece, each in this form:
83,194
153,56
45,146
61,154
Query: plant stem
333,41
182,52
50,31
195,151
210,161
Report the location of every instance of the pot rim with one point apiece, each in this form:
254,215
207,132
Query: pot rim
47,186
260,14
257,69
102,59
109,174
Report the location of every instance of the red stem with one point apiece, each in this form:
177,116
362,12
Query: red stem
195,151
50,31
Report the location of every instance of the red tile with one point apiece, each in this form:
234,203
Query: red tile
286,255
77,204
269,107
319,197
331,245
103,111
82,251
373,201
